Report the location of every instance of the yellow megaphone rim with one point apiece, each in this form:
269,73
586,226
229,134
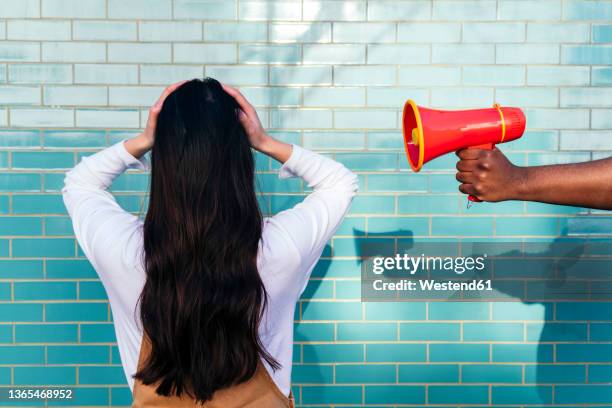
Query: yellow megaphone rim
421,139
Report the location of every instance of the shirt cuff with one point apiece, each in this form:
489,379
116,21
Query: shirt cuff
288,168
130,161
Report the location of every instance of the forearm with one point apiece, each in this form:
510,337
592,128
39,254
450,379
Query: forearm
137,146
582,184
276,149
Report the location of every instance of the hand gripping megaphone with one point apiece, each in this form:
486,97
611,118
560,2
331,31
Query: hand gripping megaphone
430,133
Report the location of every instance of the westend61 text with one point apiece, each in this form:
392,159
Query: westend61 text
431,285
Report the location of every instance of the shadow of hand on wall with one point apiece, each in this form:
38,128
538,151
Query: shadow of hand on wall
540,273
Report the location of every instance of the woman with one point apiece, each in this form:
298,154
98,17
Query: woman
203,293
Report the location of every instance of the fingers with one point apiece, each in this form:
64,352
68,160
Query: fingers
465,177
167,91
242,101
467,189
467,165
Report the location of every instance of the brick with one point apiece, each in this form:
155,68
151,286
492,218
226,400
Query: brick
334,54
73,52
586,97
20,95
527,54
602,33
395,352
558,118
38,30
491,373
397,54
363,75
48,333
494,32
444,353
270,54
429,373
300,118
521,394
464,10
106,118
559,76
330,353
140,9
166,74
365,373
558,32
587,10
332,311
430,331
363,32
74,8
429,32
105,74
392,394
19,51
169,31
462,54
458,394
242,32
42,117
139,52
528,10
494,75
367,332
528,353
44,375
586,54
261,10
104,30
19,9
239,75
205,9
373,119
297,32
75,95
37,73
344,96
301,75
335,394
398,10
333,10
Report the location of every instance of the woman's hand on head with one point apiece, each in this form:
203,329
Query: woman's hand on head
249,119
148,135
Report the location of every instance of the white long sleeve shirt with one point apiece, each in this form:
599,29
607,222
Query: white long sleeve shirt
292,242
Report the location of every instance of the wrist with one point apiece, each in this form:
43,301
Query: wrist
265,143
520,185
138,145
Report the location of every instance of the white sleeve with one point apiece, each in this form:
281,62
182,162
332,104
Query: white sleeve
107,234
312,222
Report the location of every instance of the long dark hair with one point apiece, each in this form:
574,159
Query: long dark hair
203,298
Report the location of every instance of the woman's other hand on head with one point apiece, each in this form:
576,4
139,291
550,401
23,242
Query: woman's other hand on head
249,119
148,135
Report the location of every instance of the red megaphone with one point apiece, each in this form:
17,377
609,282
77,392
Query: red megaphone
430,133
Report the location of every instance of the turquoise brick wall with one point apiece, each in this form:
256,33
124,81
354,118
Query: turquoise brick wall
332,75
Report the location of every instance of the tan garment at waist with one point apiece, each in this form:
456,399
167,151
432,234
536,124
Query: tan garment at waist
258,392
